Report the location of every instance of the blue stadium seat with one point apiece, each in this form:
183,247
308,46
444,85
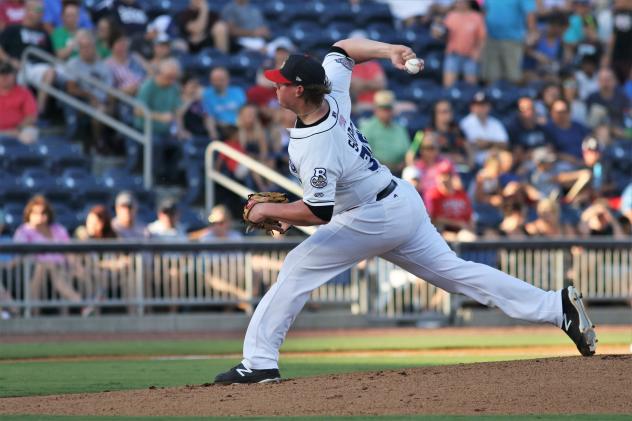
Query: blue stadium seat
369,13
195,184
337,13
413,121
62,156
620,155
503,95
67,217
37,181
117,180
340,30
460,95
14,157
385,32
11,189
433,66
13,214
424,93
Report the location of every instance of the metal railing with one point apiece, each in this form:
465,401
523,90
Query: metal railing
139,276
213,176
144,137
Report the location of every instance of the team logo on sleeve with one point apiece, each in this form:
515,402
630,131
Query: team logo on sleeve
293,168
345,61
319,180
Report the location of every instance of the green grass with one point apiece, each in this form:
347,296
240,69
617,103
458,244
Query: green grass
600,417
423,340
58,377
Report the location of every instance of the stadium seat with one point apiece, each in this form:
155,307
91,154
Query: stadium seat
460,95
118,179
13,215
339,30
413,121
337,13
67,217
11,189
370,13
619,153
63,156
14,157
37,181
424,93
191,220
195,185
434,66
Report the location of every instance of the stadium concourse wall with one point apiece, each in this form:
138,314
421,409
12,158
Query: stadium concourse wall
214,286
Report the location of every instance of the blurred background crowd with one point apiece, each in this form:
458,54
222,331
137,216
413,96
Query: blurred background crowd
519,126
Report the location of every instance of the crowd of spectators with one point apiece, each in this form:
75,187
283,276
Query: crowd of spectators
523,113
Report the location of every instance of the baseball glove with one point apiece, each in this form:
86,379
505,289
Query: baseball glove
268,225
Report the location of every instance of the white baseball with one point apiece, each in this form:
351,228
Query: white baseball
414,65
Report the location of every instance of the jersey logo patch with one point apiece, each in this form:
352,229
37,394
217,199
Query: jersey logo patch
345,61
293,168
319,180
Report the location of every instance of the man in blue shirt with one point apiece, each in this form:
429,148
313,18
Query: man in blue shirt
507,24
222,101
567,135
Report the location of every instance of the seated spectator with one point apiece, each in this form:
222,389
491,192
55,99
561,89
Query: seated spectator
566,135
367,78
570,94
587,77
17,38
202,27
161,50
125,224
98,225
466,34
39,227
11,13
53,15
221,100
229,166
484,132
525,133
427,163
254,142
105,31
129,15
280,139
167,227
581,25
196,123
263,92
608,104
514,218
593,179
550,93
389,141
597,220
19,109
127,69
161,94
452,142
449,206
544,53
246,24
88,63
547,224
487,198
618,54
63,36
626,202
220,227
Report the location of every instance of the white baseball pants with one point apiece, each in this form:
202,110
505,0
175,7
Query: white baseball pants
398,229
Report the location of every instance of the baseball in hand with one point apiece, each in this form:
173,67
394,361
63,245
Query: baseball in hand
414,65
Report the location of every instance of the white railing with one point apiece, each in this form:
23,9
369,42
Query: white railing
144,137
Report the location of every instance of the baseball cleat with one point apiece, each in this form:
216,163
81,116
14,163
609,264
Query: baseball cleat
575,322
241,374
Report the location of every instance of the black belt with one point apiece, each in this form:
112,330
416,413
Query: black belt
387,190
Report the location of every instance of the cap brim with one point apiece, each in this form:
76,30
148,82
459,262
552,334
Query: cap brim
275,76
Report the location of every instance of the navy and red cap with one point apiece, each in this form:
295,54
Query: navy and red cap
298,69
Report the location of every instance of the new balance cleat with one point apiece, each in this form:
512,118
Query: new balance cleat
575,322
241,374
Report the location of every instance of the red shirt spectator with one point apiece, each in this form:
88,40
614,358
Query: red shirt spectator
11,13
453,206
17,103
366,79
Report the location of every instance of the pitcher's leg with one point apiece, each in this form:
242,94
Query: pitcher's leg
429,257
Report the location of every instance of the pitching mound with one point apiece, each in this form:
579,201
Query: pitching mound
601,384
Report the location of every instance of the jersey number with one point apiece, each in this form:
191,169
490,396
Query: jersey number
362,146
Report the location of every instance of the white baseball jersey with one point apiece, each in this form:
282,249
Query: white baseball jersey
332,159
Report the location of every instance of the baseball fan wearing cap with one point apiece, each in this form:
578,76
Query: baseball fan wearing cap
363,211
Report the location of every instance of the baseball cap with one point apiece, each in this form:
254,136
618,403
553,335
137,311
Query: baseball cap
543,155
384,99
298,69
168,205
480,98
445,167
590,144
162,38
125,198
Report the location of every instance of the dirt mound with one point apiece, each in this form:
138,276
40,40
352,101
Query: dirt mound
571,385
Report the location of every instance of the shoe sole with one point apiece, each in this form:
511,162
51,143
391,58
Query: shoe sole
586,328
274,380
